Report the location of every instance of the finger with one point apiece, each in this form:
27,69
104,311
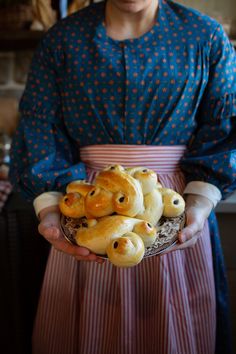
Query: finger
188,244
181,246
93,257
49,227
188,232
66,247
54,236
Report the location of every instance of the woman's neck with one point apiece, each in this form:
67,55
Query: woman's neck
128,19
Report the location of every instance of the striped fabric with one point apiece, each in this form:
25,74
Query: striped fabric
165,305
98,156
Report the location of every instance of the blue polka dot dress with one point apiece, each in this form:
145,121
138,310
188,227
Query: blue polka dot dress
174,85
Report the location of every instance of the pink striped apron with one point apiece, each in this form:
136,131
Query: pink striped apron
164,305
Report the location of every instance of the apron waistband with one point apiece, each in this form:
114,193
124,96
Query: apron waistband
161,159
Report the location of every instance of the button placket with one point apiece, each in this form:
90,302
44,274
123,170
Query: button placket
123,46
128,89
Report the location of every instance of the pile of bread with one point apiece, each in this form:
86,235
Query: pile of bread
120,211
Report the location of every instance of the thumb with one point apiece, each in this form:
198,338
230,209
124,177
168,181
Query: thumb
188,232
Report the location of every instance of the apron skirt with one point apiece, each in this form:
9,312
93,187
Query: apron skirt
165,304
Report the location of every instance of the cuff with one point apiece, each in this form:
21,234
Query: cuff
45,200
205,189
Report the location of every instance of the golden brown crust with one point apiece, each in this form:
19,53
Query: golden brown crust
97,237
139,200
99,202
72,204
153,207
126,251
80,187
147,232
147,178
128,196
133,192
174,204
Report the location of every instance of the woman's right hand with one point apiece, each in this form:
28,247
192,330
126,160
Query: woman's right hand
49,228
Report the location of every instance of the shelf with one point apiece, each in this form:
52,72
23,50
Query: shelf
19,40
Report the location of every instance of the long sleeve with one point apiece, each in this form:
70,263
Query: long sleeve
211,153
43,155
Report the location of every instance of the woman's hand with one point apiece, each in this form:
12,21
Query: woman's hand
198,208
5,190
49,228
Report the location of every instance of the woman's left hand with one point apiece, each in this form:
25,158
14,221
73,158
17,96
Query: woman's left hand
198,208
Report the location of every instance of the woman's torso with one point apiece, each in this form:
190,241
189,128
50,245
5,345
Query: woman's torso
141,91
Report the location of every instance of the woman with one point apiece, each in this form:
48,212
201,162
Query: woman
156,81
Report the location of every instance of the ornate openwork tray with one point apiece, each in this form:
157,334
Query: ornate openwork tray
167,233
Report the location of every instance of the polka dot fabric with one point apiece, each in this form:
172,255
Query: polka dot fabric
175,85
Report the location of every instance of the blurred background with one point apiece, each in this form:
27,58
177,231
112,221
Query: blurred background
23,251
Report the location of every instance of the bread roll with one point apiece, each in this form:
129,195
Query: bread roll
153,207
115,168
79,186
98,237
126,251
127,192
147,178
174,203
72,204
99,202
147,232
